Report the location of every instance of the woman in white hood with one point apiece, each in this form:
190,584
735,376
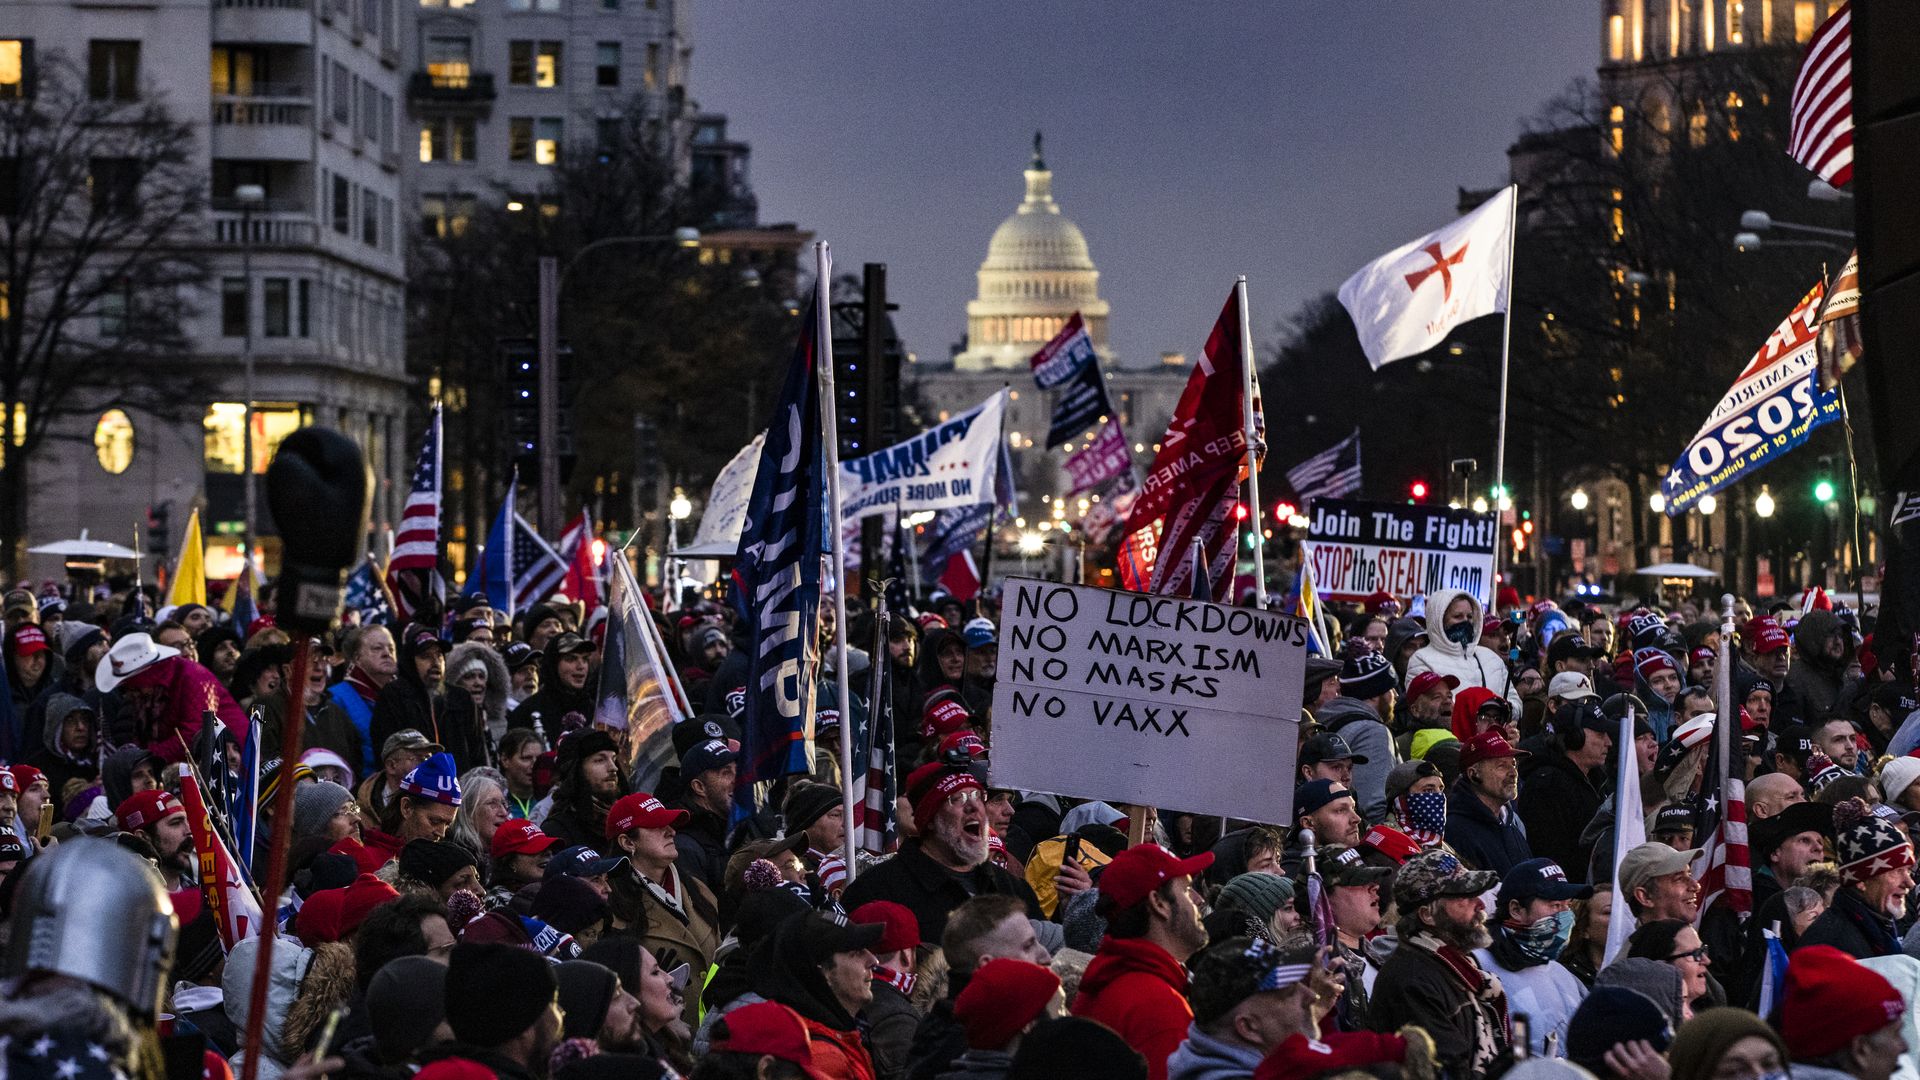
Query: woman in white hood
1453,646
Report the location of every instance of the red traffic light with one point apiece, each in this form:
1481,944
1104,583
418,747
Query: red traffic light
1419,489
1239,511
1283,512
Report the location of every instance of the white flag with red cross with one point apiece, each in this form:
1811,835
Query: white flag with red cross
1407,301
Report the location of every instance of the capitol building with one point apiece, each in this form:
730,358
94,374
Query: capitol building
1037,273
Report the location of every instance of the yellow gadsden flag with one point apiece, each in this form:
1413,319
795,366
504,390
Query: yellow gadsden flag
190,570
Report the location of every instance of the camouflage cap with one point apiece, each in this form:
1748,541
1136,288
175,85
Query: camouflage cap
1235,969
1431,875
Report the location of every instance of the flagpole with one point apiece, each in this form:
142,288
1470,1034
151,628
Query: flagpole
993,520
1500,433
1253,456
830,427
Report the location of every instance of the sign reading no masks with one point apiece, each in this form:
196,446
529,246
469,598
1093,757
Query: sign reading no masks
1359,548
1153,700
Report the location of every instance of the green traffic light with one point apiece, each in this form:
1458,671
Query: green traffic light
1823,490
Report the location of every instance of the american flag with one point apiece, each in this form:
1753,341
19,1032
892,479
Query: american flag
538,570
1330,474
1820,120
365,595
413,571
875,787
1721,817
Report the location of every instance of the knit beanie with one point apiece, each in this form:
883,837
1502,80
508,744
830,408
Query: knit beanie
1897,776
1701,1041
1258,894
928,787
568,904
1611,1015
587,990
1001,999
1075,1048
405,1003
1831,1000
808,802
1867,845
432,862
495,992
1661,982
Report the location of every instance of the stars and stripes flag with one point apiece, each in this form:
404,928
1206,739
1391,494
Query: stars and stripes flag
876,783
1333,473
1725,874
413,571
366,594
1195,480
636,693
1840,343
1820,112
518,567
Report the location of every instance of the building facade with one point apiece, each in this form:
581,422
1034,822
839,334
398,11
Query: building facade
295,109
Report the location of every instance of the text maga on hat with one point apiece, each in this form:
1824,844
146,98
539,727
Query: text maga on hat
1155,700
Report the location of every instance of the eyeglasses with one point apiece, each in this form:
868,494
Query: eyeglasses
1699,954
962,798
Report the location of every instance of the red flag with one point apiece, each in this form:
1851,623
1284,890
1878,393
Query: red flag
582,582
961,578
236,911
1195,479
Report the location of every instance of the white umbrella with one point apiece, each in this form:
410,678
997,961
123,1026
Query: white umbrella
1677,570
84,548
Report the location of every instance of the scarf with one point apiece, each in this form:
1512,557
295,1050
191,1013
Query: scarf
1491,1036
1422,816
903,981
362,684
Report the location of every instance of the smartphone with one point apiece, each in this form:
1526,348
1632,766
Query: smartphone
324,1045
1072,851
45,828
1522,1036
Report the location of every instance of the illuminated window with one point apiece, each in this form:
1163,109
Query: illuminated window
1697,128
113,441
652,73
224,429
1766,21
450,62
1736,16
448,139
1803,23
1617,128
546,141
533,63
1616,37
16,67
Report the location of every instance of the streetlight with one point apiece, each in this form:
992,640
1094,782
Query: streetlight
1763,502
1657,502
1821,191
1708,504
251,197
1755,223
679,509
1479,504
1579,499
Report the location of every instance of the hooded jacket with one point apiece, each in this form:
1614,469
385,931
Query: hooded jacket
1813,681
1478,837
782,971
407,702
1360,726
1207,1057
498,682
1556,802
1473,664
467,729
54,761
545,711
167,701
1139,990
1466,710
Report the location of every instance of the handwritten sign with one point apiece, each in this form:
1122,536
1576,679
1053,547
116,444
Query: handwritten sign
1359,548
1153,700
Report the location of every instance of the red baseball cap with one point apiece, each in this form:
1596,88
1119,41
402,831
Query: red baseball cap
1427,680
944,714
964,739
1298,1057
1391,842
901,925
334,914
642,811
142,809
1764,635
1143,868
765,1027
1485,747
29,639
521,837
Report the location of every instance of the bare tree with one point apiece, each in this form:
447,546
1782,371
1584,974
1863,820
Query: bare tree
100,267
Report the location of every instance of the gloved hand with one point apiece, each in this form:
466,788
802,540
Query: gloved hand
320,491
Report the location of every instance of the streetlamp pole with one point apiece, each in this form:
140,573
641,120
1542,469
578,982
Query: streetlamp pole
250,197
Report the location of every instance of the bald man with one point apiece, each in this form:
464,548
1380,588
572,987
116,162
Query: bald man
1768,795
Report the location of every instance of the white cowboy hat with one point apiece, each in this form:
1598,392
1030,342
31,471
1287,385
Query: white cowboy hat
131,654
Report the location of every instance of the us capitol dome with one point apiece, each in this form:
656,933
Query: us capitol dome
1038,272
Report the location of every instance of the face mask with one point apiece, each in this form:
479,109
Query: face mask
1423,815
1462,633
1544,939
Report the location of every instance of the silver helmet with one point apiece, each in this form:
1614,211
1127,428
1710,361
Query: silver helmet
94,911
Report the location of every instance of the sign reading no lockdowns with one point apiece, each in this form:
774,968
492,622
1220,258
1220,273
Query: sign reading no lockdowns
1154,700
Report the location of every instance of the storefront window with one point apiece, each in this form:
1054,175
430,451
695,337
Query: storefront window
225,435
113,441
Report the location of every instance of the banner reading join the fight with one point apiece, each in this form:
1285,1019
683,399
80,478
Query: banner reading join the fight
950,464
1355,549
1773,406
1069,366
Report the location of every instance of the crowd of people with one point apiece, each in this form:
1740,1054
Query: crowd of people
477,889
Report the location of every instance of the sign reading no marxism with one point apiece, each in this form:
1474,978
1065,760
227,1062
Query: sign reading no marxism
1155,700
1358,548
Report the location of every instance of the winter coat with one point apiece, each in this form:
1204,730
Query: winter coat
931,891
890,1020
167,701
1813,682
1416,986
1548,993
1479,838
407,702
940,1039
782,971
692,932
1207,1057
1139,990
328,728
1356,722
1556,802
58,765
498,683
1853,927
702,842
1473,664
360,711
546,711
290,963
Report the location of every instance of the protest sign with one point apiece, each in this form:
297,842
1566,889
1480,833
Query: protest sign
1153,700
949,464
1358,548
1068,366
1772,408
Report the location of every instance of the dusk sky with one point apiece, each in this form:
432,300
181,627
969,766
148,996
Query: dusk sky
1288,141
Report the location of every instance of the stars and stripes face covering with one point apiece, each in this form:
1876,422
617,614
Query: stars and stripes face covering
1422,815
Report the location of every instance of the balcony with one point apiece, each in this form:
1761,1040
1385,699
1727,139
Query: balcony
275,123
280,224
427,88
266,22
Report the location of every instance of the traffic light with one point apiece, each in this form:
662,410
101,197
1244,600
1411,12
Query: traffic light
1823,490
159,535
866,369
1418,490
520,359
1239,511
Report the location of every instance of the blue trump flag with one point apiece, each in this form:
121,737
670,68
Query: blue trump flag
778,576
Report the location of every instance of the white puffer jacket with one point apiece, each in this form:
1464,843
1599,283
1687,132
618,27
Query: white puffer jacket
1473,664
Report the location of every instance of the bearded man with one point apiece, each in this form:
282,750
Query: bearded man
1432,978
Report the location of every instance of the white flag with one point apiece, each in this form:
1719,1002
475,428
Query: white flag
1407,301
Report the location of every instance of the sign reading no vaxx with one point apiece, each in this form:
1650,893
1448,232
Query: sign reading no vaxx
1153,700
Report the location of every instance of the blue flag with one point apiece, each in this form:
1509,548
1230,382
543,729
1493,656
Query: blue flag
496,563
778,576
